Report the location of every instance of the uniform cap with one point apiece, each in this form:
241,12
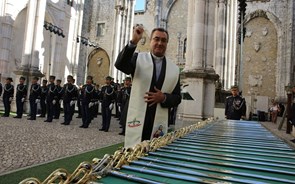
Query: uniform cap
128,78
109,78
52,77
22,78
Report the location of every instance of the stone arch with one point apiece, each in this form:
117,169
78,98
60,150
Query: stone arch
169,6
98,65
282,64
15,10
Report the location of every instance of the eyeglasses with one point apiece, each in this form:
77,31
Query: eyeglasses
158,39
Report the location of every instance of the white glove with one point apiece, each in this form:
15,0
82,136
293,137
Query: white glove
60,101
72,103
37,101
10,99
23,99
53,102
90,104
119,108
111,106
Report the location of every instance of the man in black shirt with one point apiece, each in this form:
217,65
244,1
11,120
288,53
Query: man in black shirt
123,100
235,105
88,99
60,93
7,96
51,98
108,99
69,99
21,94
34,98
44,90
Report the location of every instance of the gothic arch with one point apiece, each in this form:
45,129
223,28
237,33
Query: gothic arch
169,6
282,62
98,65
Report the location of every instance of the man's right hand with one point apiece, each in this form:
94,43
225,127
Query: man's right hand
137,34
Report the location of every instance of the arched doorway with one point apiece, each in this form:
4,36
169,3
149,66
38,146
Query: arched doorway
98,65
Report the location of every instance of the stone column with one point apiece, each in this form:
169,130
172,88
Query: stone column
5,50
220,39
230,57
29,35
38,38
117,40
199,74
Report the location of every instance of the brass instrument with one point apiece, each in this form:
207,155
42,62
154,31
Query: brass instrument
90,172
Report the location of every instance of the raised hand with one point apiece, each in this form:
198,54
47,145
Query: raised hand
137,34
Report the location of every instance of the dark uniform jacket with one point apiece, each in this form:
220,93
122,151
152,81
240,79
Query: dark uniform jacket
108,95
21,91
52,93
235,107
70,92
124,95
126,62
44,91
88,93
35,92
8,91
60,92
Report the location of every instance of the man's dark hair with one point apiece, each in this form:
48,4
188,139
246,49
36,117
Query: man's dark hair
161,30
70,76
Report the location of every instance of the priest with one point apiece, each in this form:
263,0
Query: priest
155,86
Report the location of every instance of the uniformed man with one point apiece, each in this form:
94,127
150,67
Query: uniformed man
34,98
79,102
69,99
97,102
108,98
51,98
7,96
21,95
44,91
124,100
88,99
60,93
117,88
235,105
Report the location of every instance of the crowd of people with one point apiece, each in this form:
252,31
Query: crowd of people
53,98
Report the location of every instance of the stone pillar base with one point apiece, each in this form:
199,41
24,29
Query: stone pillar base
200,84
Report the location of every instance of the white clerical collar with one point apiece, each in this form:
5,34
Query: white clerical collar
157,59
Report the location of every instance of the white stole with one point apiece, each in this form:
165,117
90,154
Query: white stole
137,106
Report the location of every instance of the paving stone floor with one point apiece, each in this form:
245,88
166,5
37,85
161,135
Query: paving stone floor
24,143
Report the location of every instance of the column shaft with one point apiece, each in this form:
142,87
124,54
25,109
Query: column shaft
38,35
29,34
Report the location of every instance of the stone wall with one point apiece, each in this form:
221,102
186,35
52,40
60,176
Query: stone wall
260,58
177,26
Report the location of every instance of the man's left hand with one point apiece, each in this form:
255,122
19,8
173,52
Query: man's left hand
154,97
